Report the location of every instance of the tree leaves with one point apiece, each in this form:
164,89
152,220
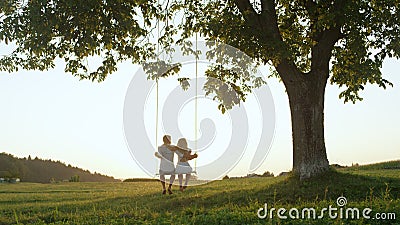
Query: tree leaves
160,69
120,30
184,82
45,30
370,35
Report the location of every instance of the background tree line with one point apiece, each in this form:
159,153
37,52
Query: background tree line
45,171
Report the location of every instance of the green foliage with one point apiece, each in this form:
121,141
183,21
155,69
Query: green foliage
10,167
267,174
184,82
45,30
364,33
160,69
230,201
8,7
354,37
74,178
371,34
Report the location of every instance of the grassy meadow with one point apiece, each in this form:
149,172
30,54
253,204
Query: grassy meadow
231,201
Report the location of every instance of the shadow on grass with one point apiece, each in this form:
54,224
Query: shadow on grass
215,200
287,190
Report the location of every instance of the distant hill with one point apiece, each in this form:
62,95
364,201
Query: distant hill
390,165
45,171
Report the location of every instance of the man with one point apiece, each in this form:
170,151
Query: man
166,154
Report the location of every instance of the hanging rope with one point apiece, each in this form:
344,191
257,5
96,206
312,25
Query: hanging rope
196,94
157,102
157,107
195,106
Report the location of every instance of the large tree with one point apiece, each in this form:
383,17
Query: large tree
307,42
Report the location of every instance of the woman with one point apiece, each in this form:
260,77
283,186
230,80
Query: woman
166,154
183,166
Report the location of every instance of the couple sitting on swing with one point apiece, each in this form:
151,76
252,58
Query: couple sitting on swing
166,154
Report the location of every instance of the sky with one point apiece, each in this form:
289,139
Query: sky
53,115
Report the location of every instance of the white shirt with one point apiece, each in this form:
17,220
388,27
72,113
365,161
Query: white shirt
167,158
180,156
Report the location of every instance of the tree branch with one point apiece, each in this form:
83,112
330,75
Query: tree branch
326,39
265,27
286,68
266,22
269,21
247,10
321,52
310,5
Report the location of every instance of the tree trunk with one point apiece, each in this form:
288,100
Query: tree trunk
306,99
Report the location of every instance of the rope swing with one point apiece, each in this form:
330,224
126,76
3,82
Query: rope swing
195,99
195,111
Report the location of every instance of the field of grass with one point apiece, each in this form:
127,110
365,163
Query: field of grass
232,201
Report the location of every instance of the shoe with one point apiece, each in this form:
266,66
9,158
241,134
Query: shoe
181,188
164,192
169,191
184,187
